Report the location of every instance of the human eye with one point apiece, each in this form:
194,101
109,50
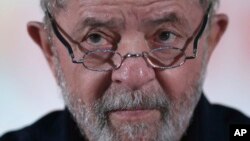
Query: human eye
97,40
165,37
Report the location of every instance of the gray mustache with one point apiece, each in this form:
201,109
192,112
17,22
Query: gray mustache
114,100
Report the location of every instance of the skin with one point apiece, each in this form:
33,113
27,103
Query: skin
134,35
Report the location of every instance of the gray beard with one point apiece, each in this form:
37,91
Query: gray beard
94,123
93,120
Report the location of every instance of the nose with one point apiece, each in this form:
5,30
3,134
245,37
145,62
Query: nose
134,73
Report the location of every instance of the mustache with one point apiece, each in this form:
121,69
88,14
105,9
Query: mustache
118,99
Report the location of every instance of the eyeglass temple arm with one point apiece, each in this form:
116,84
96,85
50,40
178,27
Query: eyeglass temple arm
202,28
59,36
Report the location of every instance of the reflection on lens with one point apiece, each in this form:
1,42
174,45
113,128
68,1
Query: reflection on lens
166,57
102,60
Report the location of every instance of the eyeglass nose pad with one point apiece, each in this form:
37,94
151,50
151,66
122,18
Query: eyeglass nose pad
144,55
146,59
132,55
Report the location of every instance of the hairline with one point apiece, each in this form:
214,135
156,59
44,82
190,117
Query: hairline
55,5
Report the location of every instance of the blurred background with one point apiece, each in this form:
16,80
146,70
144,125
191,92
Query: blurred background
28,89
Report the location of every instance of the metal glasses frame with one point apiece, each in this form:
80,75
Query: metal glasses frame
200,29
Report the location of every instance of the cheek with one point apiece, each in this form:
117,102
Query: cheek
82,83
179,81
87,85
91,85
186,78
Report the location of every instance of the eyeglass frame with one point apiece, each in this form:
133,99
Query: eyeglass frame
201,28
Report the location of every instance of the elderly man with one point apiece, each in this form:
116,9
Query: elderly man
130,70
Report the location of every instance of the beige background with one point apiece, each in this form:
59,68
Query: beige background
28,90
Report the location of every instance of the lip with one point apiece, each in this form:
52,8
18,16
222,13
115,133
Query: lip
132,115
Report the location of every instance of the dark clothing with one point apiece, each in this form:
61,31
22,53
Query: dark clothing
209,123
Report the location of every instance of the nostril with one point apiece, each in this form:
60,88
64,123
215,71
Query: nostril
118,81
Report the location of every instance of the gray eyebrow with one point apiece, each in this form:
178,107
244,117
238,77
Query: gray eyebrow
112,23
166,18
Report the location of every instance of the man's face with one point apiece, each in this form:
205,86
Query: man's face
135,101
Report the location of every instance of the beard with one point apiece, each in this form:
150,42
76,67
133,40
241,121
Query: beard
94,122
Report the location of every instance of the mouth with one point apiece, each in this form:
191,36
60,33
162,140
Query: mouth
137,114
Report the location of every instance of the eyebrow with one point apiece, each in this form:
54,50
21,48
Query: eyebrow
112,23
171,17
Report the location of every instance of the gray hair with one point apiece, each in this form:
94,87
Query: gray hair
52,4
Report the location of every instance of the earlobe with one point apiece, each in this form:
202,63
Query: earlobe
40,37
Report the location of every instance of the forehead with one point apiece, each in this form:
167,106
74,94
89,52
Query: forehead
130,12
132,2
136,6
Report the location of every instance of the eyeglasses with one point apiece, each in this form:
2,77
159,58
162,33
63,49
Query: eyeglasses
165,57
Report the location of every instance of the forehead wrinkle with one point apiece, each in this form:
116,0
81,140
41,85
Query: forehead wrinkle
93,16
138,3
119,2
170,12
144,7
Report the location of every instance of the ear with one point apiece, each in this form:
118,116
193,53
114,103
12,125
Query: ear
39,35
217,28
